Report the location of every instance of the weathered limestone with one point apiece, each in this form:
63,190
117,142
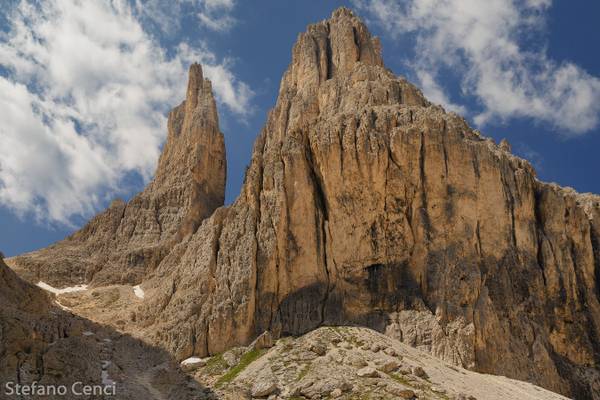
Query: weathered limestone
45,345
129,239
363,204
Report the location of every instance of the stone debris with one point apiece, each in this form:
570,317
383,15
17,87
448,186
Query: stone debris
367,372
263,389
318,348
284,372
420,372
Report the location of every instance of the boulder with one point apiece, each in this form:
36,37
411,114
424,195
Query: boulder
367,372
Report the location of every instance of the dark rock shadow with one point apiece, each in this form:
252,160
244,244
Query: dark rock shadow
43,343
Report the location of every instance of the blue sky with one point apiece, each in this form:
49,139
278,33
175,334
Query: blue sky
85,88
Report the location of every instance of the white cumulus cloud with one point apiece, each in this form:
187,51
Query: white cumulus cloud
482,42
84,92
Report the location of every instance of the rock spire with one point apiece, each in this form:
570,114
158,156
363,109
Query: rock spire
128,240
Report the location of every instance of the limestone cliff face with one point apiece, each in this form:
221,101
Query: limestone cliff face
365,204
129,239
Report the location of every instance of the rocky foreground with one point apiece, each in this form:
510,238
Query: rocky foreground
364,205
43,341
47,342
349,363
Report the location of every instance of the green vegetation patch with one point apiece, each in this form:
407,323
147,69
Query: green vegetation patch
247,359
304,371
414,385
216,365
402,380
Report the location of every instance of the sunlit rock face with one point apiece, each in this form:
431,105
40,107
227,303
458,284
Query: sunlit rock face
363,204
125,242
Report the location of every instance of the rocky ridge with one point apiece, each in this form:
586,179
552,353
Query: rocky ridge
125,242
364,204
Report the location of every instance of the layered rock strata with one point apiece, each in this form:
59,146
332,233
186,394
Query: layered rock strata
365,204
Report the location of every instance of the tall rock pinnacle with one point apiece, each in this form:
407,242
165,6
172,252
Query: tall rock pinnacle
129,239
193,159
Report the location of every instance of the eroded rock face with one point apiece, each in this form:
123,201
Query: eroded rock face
28,324
365,204
129,239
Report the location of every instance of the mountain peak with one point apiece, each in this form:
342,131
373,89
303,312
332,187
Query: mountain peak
342,12
193,159
333,48
128,239
195,83
199,98
193,127
363,205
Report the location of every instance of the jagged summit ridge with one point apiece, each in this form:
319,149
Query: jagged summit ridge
193,121
331,48
193,159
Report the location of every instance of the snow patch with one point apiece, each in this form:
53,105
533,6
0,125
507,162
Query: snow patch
191,360
139,292
88,333
70,289
106,381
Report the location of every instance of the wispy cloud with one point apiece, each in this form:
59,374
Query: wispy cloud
216,14
534,157
83,100
482,42
161,14
435,93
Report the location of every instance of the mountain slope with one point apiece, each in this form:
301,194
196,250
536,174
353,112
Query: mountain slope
129,239
42,342
365,204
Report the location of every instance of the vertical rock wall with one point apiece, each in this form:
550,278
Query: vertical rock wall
365,204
